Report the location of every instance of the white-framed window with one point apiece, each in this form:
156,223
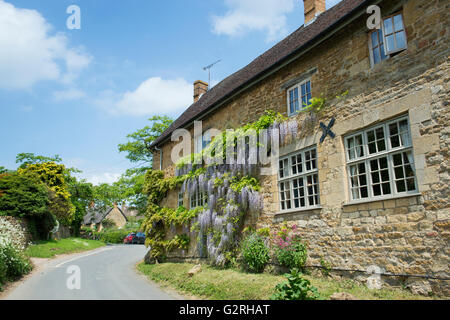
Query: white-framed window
201,142
388,40
298,180
299,97
376,44
380,162
394,33
180,201
198,199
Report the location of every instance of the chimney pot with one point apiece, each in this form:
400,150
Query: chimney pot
200,87
312,9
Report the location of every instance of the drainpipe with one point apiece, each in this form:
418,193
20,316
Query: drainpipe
160,157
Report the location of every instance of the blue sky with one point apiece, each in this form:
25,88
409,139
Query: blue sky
78,93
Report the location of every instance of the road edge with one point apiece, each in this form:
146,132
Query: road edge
40,265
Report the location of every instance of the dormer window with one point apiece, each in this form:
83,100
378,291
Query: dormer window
299,97
388,40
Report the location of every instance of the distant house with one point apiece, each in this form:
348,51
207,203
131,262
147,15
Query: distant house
131,213
96,216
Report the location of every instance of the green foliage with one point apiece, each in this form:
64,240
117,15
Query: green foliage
131,185
108,223
26,159
326,267
53,176
237,184
289,249
230,140
263,232
13,264
255,253
22,196
138,146
81,195
105,195
317,105
342,95
114,235
4,170
295,288
50,248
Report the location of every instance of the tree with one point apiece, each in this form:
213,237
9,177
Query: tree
53,176
26,159
105,195
138,151
81,195
138,146
22,196
132,183
3,170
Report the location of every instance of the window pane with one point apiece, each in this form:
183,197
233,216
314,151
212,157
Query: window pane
401,40
374,37
376,56
383,54
401,186
364,192
390,43
410,183
388,26
398,23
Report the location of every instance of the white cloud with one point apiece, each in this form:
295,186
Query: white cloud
268,16
30,53
105,177
153,96
254,15
69,94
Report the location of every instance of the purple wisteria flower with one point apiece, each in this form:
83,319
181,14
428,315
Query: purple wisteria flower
212,201
244,198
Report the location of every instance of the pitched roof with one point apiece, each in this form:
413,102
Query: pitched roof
299,39
97,215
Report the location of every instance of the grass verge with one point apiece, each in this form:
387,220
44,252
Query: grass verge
51,248
231,284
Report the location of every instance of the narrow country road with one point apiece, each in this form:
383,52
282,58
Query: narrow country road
106,273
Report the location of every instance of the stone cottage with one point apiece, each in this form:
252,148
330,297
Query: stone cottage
374,189
96,216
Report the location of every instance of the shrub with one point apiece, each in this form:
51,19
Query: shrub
255,253
12,232
108,223
289,250
114,235
296,288
326,267
13,263
16,263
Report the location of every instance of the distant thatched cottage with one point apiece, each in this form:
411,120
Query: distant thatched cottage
96,217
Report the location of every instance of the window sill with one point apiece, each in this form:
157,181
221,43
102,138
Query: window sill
409,195
293,211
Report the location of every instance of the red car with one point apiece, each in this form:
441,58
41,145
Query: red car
129,238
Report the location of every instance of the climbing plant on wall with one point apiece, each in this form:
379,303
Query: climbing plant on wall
230,185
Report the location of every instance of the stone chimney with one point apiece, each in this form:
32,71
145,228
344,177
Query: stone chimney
200,88
312,9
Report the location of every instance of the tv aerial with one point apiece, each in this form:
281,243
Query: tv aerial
209,71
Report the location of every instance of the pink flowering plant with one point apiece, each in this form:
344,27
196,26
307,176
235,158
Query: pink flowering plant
289,249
